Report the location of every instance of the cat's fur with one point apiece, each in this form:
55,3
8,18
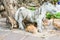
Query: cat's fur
31,28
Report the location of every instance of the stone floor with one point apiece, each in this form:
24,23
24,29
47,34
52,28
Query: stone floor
17,34
22,35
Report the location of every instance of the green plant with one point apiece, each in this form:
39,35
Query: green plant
57,15
48,15
32,8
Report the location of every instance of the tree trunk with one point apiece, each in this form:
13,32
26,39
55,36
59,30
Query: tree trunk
10,6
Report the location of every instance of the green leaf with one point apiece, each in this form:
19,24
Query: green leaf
48,15
32,8
57,15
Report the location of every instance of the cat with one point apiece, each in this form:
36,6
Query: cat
31,28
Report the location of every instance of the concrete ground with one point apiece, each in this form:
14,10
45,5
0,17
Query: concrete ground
17,34
22,35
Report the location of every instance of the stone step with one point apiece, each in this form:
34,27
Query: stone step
2,19
3,23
